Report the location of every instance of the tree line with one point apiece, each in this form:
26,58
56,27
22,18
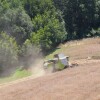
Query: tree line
82,17
44,24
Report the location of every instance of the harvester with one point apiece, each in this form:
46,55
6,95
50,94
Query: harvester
59,62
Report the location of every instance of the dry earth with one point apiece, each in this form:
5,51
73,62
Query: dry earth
77,83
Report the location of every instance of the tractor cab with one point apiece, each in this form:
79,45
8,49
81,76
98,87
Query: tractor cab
62,58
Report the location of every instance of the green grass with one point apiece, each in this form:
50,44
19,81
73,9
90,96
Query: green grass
20,74
17,75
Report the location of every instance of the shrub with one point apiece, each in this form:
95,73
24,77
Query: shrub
8,52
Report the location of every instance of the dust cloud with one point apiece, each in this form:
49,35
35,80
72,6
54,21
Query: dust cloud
37,68
31,60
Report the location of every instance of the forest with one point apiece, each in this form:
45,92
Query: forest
41,25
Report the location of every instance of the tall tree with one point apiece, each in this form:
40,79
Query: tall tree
14,21
34,7
79,16
49,31
97,13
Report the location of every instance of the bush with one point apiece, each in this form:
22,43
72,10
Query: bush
95,32
49,31
8,52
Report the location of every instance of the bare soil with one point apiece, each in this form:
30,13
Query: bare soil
78,83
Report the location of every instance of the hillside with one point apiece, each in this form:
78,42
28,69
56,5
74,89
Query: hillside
79,49
77,83
31,28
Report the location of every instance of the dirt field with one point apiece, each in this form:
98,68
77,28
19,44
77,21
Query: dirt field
78,83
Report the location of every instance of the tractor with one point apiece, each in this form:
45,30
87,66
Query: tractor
59,62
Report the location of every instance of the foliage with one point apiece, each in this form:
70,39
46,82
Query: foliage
48,30
8,52
15,21
34,7
80,16
48,24
95,32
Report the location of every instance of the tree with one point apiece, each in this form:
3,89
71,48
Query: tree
15,22
34,7
48,30
8,52
79,16
97,14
